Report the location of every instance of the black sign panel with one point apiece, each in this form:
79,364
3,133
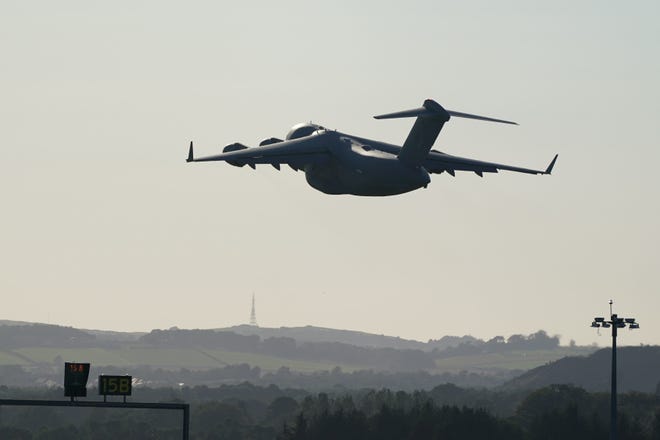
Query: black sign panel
115,385
75,379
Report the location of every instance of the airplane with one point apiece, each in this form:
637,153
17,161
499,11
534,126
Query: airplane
340,163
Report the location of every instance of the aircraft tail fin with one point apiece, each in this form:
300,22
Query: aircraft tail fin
190,157
431,117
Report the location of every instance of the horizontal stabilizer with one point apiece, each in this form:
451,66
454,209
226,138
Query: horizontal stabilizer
432,109
480,118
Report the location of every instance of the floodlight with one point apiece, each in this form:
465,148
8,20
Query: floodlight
615,322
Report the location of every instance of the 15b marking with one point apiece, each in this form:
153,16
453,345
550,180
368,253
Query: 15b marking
115,385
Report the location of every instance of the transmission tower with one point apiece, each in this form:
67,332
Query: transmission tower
253,314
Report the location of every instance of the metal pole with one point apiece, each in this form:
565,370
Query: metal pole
615,326
92,404
186,421
615,322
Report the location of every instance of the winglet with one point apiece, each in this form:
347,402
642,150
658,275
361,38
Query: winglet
552,164
190,153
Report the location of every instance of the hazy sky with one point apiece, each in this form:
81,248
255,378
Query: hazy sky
104,225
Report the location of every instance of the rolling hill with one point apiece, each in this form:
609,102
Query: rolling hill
638,369
283,355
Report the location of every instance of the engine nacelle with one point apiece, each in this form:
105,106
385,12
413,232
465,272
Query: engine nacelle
234,147
302,130
269,141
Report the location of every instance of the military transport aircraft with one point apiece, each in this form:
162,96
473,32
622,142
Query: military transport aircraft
339,163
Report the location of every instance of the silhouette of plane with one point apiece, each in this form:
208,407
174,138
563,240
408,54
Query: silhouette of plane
340,163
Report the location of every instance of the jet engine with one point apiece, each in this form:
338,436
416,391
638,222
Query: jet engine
234,147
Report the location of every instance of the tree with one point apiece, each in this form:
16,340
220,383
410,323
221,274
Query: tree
282,409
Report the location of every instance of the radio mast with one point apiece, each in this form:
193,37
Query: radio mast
253,314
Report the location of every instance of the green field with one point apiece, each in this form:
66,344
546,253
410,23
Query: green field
198,358
8,358
166,358
97,356
271,363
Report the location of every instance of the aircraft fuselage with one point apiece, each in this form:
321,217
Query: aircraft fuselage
361,167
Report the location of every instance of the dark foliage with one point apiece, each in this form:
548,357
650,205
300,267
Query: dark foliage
424,421
250,412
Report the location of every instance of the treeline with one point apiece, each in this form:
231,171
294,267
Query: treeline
406,381
639,369
249,412
341,353
535,341
555,413
45,335
282,377
335,352
288,346
423,421
361,339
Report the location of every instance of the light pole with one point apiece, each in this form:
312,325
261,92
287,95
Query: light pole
615,323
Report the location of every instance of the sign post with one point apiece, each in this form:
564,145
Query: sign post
75,379
75,385
115,386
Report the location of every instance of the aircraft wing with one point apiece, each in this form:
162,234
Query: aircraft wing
296,153
437,162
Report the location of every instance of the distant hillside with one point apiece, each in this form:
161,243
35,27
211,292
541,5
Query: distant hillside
108,335
100,335
638,370
361,339
34,353
9,322
446,346
43,335
337,353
